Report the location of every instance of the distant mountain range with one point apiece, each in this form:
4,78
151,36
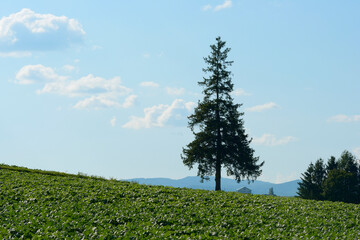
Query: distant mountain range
257,187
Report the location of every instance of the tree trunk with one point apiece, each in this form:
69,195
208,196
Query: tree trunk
218,175
218,146
218,157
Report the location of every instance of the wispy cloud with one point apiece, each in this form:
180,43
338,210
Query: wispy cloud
240,92
226,4
161,115
206,7
344,118
96,47
97,102
15,54
30,74
25,31
149,84
68,68
96,92
113,121
357,152
272,140
89,84
263,107
175,91
129,101
104,100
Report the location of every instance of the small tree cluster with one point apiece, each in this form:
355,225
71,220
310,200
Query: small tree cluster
337,180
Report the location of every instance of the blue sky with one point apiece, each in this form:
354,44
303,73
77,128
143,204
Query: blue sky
104,88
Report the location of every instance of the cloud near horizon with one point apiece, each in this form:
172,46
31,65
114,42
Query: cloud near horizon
161,115
96,92
282,178
271,140
26,31
357,152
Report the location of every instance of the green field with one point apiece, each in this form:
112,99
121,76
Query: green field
50,205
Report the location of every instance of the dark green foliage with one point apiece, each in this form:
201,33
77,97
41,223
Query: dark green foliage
340,185
307,187
319,177
348,163
36,205
331,164
319,172
220,138
338,181
312,181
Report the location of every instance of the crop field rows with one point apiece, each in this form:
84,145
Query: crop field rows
40,206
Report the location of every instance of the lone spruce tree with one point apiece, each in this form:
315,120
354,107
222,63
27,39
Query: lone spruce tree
220,138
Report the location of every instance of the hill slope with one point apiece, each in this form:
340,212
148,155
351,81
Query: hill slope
44,205
257,187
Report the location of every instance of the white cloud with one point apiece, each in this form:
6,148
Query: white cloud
146,55
34,73
89,84
260,108
226,4
68,68
190,106
357,152
96,92
26,31
162,114
240,92
15,54
344,118
271,140
96,47
129,101
149,84
206,7
113,121
175,91
97,102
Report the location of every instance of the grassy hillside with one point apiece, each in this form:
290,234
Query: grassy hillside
42,205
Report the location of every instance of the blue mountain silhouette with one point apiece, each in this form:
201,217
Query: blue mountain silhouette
227,184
